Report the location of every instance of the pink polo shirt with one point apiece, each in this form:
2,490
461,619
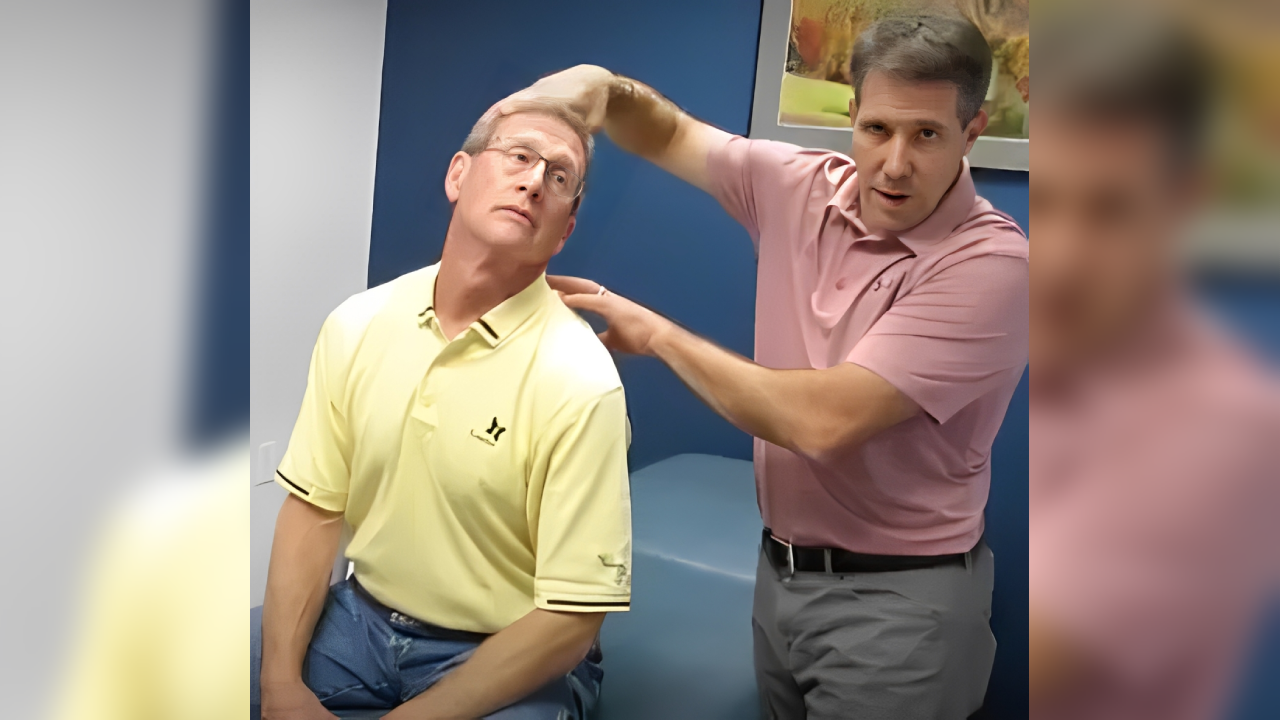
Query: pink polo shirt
940,311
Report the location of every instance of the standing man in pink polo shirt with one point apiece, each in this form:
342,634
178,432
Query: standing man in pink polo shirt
891,330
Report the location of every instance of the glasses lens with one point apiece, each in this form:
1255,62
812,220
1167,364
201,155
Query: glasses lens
563,182
520,156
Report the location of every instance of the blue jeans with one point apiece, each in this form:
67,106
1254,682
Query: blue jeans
361,664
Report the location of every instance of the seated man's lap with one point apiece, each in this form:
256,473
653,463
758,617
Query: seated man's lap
357,660
349,662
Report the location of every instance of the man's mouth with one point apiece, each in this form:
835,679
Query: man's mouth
890,198
518,213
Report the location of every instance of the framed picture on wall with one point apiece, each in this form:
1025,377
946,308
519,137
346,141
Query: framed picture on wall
803,89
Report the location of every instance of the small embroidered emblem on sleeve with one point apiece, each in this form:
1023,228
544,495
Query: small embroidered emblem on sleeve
612,561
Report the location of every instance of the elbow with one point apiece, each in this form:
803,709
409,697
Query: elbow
583,640
824,445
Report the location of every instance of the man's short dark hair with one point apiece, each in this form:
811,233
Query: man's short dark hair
919,48
1125,65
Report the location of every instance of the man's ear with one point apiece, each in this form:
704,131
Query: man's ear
976,126
853,110
458,167
568,230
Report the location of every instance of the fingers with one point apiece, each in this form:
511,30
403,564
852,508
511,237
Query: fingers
590,303
567,285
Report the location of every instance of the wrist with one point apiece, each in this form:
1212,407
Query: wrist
279,677
618,89
663,339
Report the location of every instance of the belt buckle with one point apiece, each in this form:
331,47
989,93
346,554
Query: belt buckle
401,619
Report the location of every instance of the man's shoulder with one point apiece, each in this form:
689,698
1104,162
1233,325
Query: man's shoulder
357,312
995,232
987,239
570,357
783,160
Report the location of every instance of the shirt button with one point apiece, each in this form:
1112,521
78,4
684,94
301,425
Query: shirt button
841,283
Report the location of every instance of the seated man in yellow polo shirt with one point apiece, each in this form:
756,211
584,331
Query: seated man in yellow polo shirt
471,430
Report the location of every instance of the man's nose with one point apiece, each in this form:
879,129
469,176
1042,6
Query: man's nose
898,164
534,180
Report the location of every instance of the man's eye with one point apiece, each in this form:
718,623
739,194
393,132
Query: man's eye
560,178
520,157
929,134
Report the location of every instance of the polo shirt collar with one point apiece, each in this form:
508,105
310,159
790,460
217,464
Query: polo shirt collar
505,318
952,211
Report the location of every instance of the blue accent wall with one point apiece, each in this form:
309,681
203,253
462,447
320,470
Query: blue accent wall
641,232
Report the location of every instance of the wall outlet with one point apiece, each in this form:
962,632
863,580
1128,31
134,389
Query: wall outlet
264,466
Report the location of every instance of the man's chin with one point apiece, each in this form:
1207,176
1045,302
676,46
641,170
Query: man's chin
510,235
884,222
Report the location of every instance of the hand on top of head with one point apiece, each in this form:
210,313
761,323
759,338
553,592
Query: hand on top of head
585,88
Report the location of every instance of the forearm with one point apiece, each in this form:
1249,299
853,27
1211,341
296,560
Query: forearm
639,119
302,554
748,395
821,414
509,666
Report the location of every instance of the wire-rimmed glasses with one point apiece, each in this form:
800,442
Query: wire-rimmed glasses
519,158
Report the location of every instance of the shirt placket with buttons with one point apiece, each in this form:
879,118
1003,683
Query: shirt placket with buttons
426,397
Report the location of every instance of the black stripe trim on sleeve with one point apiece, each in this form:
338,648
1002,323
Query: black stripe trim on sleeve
294,484
577,603
488,329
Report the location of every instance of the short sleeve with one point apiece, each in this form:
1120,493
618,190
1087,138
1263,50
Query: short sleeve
317,465
753,179
583,536
955,337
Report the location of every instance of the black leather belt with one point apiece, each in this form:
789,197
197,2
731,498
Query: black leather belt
399,619
792,558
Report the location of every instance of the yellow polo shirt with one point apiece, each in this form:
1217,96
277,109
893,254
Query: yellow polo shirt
483,476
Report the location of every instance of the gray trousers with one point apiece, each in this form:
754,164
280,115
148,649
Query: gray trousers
903,645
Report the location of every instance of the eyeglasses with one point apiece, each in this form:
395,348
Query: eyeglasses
563,181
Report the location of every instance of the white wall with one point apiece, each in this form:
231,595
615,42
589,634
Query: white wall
315,83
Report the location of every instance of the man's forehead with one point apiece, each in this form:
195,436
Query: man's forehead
546,137
895,98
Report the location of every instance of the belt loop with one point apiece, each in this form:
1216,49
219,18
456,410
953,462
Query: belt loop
968,562
791,562
826,559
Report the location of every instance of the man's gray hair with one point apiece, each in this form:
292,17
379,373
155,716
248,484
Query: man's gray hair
919,48
482,132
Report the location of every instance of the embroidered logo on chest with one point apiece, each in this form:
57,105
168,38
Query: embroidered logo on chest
490,436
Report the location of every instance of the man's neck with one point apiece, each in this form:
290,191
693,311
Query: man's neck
474,280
